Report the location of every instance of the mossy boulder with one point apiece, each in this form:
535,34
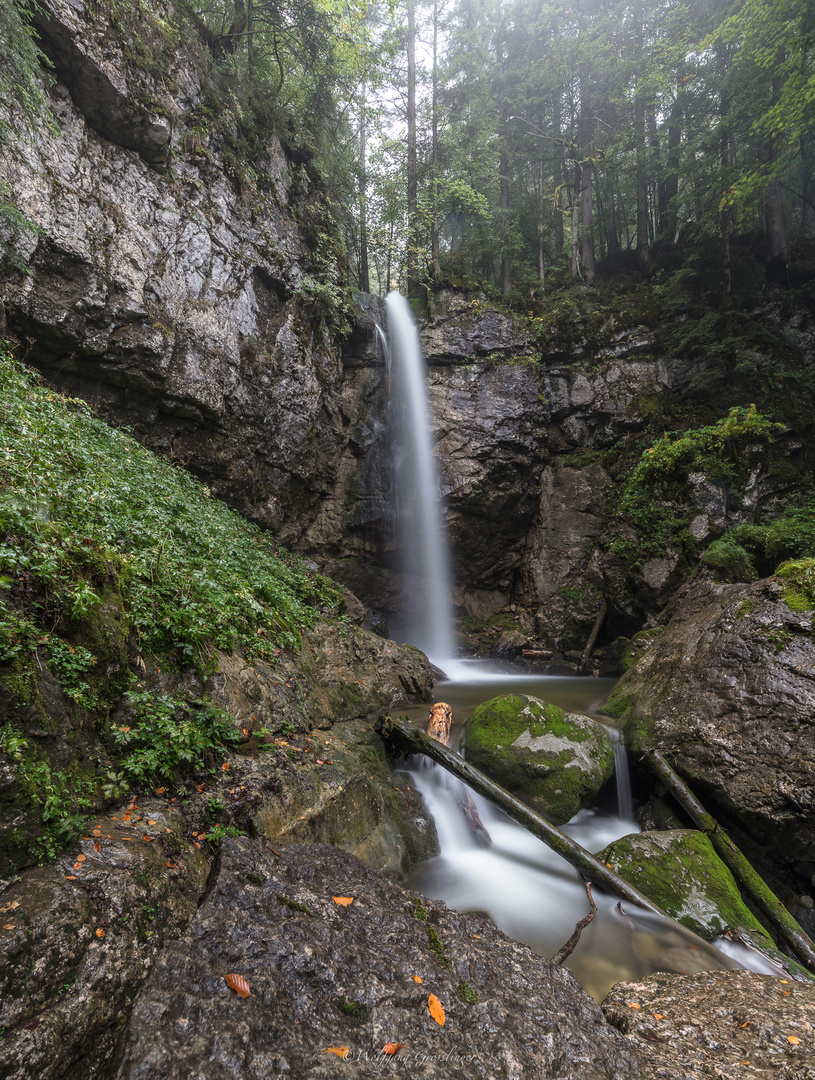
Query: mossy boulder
680,871
556,762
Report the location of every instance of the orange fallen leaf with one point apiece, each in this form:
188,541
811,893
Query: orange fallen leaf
340,1051
100,933
344,900
416,978
659,1016
81,858
793,1040
97,832
633,1005
77,866
10,926
97,846
392,1048
70,877
113,817
238,984
147,838
786,992
436,1009
200,787
172,865
225,766
153,822
746,1022
160,790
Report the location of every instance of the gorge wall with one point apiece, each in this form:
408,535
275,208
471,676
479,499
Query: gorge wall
194,308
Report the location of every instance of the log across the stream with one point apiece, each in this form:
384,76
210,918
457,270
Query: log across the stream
409,739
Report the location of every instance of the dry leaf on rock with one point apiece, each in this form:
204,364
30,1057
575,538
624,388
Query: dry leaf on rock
340,1051
392,1048
238,984
416,978
344,900
436,1009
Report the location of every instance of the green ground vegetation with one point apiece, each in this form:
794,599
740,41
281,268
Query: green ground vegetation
113,565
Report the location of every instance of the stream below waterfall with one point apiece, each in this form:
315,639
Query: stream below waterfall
532,894
527,890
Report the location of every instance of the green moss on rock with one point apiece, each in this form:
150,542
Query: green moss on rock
680,871
554,761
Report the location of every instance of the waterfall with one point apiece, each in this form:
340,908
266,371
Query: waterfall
416,484
625,803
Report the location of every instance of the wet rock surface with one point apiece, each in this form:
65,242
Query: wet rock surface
323,975
554,761
79,938
726,693
733,1025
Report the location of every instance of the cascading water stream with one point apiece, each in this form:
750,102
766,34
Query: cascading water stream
530,892
416,482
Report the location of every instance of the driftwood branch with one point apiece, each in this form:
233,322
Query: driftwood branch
567,949
595,630
410,740
757,888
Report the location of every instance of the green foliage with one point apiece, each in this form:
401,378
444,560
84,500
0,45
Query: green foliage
79,500
294,905
798,576
168,734
653,497
731,560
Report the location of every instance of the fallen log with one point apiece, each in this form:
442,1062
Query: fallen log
733,858
541,654
595,630
412,741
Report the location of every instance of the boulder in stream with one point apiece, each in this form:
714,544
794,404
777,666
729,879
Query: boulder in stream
556,762
726,693
679,870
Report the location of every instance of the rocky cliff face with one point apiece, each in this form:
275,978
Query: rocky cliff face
190,306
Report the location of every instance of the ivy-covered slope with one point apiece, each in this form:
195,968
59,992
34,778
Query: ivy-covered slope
123,583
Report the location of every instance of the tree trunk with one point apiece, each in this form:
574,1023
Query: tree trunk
643,250
503,170
777,248
412,180
586,195
434,226
558,174
364,272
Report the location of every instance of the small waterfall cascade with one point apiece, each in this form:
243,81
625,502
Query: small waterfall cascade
416,484
625,803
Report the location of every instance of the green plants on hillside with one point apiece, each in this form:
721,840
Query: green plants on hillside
114,566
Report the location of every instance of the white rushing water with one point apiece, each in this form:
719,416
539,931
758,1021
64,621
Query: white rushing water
429,623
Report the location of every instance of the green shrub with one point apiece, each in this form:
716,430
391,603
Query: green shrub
731,560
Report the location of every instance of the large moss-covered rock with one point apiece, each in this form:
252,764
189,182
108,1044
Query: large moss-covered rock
726,694
555,761
680,871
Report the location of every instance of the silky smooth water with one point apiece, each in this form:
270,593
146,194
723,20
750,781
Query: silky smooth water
531,893
429,621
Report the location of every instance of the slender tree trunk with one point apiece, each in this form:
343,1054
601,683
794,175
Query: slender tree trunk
725,215
364,272
434,227
576,224
643,251
586,194
412,180
777,248
503,170
558,174
672,171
